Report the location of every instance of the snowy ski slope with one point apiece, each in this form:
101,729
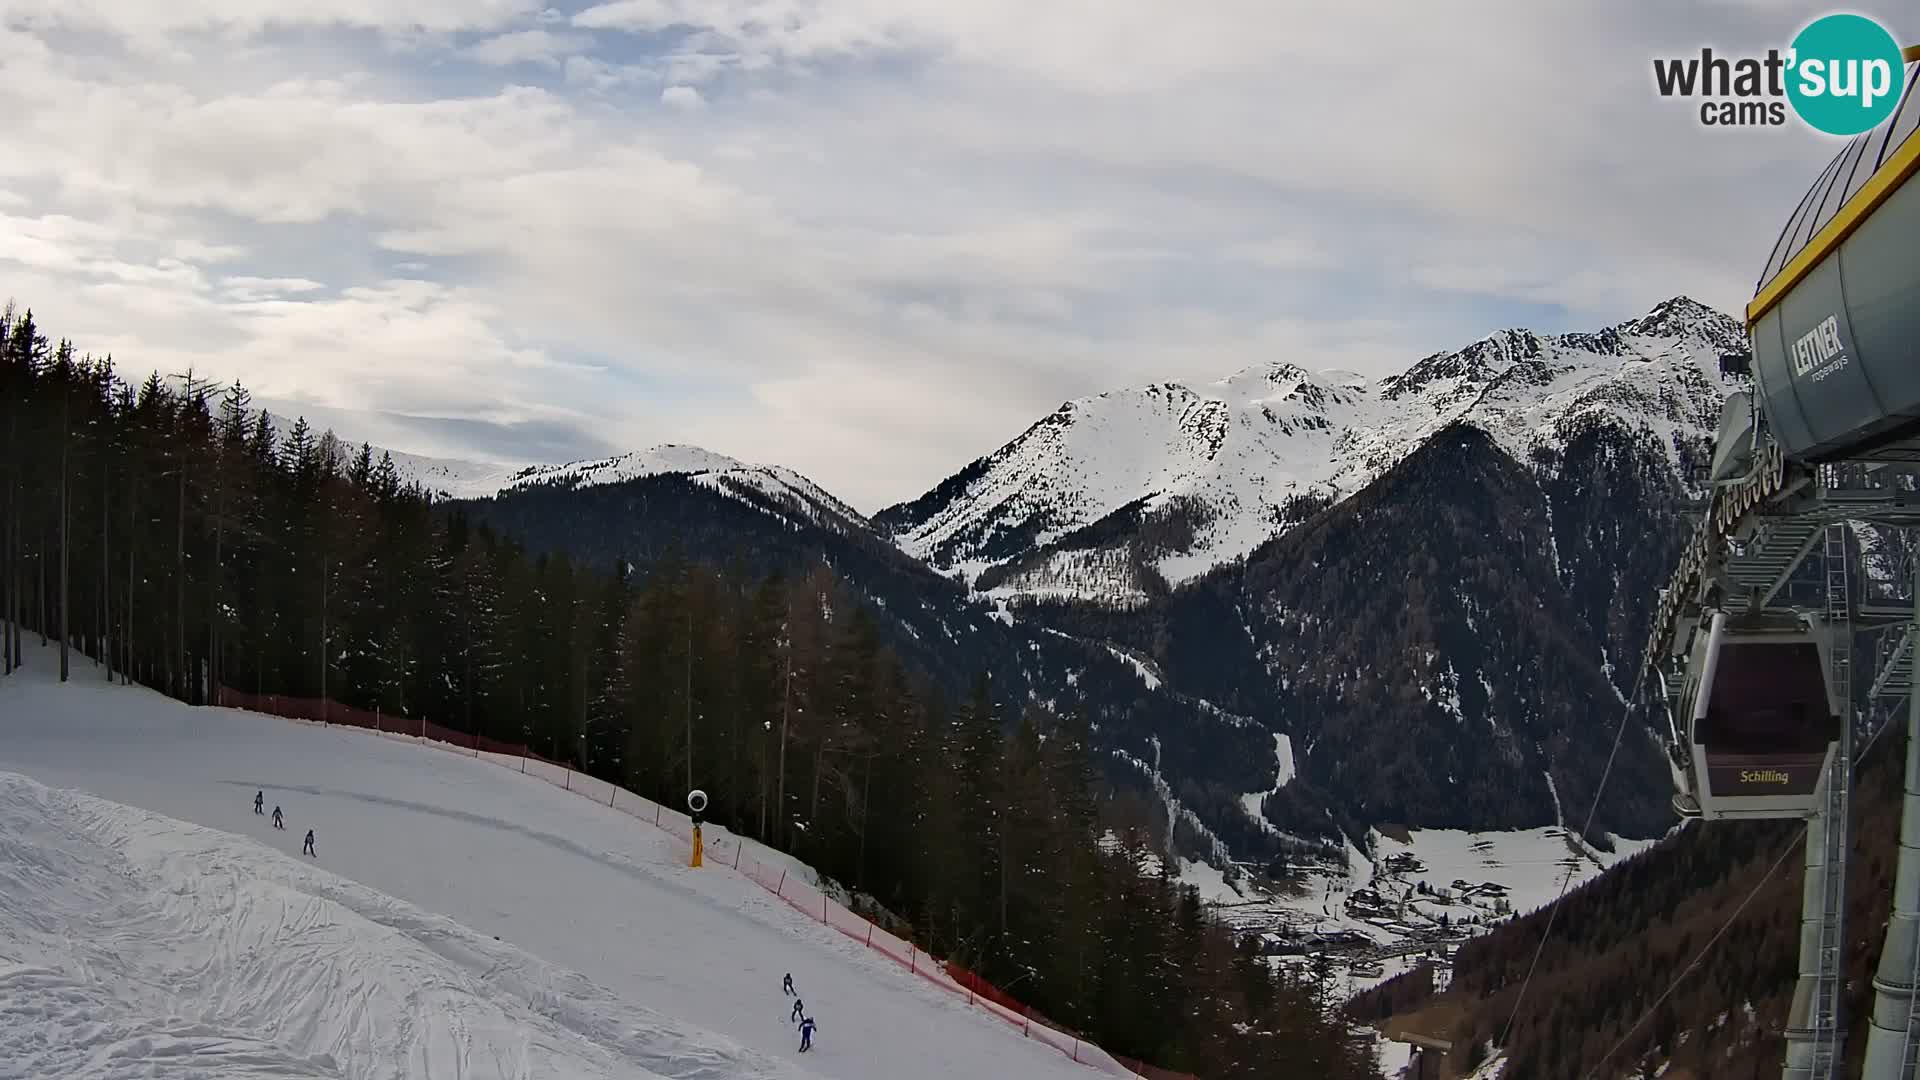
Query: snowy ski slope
665,956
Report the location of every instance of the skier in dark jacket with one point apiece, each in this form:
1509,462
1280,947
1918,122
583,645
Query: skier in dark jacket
307,848
786,984
277,822
798,1011
806,1034
259,799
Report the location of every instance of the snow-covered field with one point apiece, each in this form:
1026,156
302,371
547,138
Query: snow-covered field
157,940
1529,863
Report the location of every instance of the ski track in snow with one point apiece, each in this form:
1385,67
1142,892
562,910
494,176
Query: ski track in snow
137,945
613,958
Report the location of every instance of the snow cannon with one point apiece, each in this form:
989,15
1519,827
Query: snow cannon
1763,722
1835,319
696,805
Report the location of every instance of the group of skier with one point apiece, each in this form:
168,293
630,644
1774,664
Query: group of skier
279,822
798,1014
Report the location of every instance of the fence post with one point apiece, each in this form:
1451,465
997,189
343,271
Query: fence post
737,845
376,718
656,814
823,907
1076,1051
780,889
869,935
913,958
567,784
523,761
611,795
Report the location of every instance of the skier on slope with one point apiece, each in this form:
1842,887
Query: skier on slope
259,798
307,848
798,1011
786,984
806,1034
277,823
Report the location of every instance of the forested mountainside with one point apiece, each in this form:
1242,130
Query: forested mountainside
1624,939
185,542
1584,447
1205,758
1437,645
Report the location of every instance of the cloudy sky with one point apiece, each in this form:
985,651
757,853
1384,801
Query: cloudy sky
870,239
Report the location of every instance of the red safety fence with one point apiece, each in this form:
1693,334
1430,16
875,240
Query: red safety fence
771,870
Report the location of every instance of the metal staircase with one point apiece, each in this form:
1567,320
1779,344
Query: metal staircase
1895,674
1826,1020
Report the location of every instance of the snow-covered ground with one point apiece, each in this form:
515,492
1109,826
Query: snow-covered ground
133,944
613,958
1530,864
1284,772
1393,1056
1373,908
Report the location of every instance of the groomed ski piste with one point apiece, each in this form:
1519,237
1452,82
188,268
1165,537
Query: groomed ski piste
460,920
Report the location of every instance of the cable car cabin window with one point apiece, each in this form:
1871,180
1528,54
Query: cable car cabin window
1768,698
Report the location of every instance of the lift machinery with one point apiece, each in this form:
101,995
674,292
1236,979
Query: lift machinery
1756,654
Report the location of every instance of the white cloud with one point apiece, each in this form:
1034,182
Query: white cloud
246,288
910,226
135,18
682,97
528,47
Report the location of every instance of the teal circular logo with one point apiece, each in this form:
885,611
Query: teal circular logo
1845,74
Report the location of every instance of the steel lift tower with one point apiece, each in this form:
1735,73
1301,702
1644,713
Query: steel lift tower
1755,651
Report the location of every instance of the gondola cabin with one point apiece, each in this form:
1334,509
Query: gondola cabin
1763,724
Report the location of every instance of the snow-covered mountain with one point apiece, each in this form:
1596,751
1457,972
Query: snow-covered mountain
1117,496
766,486
754,483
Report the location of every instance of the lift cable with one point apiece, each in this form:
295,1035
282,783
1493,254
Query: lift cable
1785,850
1553,912
1872,737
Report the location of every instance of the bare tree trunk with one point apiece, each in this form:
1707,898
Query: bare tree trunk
813,802
688,693
106,552
7,587
133,501
786,711
66,538
324,657
6,566
866,785
40,573
180,589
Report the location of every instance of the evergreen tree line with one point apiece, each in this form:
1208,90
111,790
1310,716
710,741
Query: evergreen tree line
168,535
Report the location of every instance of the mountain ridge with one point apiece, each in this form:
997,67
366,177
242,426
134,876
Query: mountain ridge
1217,469
1212,649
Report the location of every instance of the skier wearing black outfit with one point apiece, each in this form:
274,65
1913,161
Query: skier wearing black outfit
307,848
259,799
806,1034
798,1011
786,984
277,822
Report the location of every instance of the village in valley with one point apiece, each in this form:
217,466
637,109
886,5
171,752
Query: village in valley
1414,897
